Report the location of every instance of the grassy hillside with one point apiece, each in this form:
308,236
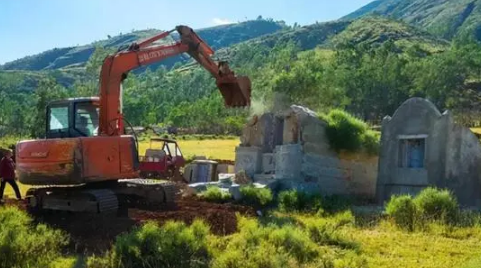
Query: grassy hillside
445,18
66,64
71,57
377,30
371,31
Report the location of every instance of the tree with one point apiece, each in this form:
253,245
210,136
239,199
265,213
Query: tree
96,60
47,90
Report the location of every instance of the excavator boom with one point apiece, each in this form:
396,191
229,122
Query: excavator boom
236,91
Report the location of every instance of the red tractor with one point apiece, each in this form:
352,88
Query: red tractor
162,162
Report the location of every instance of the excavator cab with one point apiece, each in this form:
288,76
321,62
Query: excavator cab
71,118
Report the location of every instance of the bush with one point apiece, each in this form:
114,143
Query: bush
403,211
215,194
336,203
436,205
271,246
326,231
346,132
101,262
371,142
23,244
256,197
291,244
294,200
172,245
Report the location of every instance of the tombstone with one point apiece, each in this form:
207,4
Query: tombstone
249,160
288,160
259,132
201,171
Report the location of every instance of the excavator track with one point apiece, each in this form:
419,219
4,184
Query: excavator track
153,192
105,199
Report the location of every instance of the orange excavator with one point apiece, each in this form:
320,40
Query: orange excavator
86,162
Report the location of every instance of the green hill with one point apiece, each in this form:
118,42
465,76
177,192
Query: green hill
66,64
445,18
377,30
371,31
73,57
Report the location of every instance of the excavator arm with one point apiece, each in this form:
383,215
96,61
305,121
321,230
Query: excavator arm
236,91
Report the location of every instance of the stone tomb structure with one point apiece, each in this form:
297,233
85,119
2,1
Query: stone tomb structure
291,148
421,147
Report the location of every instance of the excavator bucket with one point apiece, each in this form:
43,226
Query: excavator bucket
237,92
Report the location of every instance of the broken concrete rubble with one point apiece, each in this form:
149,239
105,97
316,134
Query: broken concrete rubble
226,183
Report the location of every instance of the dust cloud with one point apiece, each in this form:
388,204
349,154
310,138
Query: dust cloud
276,102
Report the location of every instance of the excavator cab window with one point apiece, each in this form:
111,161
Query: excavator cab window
59,118
72,118
87,119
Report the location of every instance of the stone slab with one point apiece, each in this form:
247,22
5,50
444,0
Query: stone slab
271,184
268,163
263,177
288,159
248,159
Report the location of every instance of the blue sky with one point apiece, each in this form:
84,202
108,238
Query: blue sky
31,26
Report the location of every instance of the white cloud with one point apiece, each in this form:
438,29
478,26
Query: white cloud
219,21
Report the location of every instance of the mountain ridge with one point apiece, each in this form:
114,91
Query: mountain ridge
448,19
77,56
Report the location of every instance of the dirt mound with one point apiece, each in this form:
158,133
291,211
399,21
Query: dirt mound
91,233
221,217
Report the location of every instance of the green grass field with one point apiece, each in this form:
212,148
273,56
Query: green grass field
386,246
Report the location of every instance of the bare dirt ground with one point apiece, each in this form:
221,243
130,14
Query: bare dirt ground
92,233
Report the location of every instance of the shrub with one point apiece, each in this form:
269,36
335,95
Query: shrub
272,246
23,244
294,200
346,132
256,196
326,231
291,201
467,218
370,142
215,194
100,262
436,205
403,211
172,245
336,203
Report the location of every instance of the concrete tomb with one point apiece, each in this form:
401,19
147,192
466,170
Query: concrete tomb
291,148
421,147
